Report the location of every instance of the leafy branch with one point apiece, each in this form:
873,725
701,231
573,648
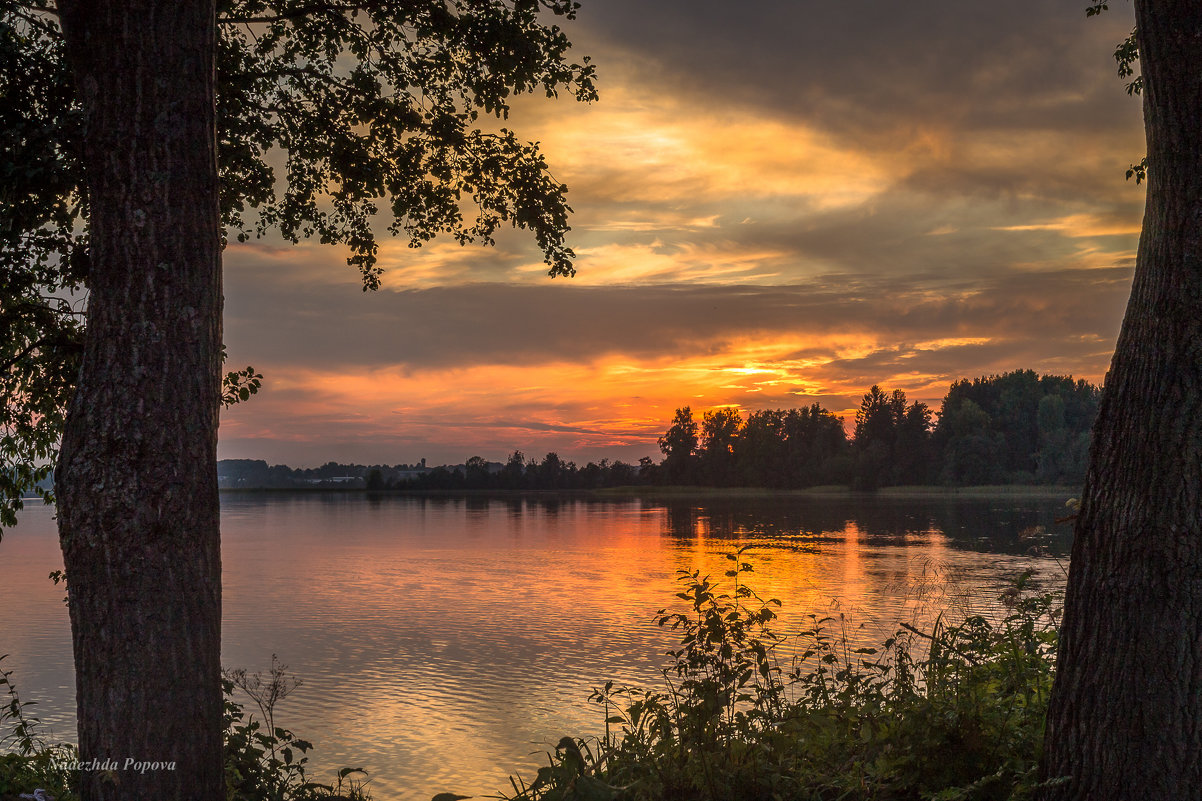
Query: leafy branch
1126,54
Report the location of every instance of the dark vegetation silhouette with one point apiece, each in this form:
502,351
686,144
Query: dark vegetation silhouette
1015,428
1122,720
750,709
139,138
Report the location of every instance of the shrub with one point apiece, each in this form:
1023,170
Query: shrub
265,762
953,712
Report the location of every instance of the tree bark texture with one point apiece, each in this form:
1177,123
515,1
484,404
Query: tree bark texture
136,480
1125,720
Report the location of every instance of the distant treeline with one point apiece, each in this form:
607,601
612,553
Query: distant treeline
517,473
1016,428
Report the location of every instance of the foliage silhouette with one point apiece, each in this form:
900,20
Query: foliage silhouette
953,712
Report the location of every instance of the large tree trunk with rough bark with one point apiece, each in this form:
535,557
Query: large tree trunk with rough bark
136,480
1126,713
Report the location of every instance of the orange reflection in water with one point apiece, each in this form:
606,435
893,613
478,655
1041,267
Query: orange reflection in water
446,642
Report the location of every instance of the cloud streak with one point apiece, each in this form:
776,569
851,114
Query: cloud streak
774,205
597,371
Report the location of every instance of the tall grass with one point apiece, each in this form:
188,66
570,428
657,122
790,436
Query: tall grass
955,711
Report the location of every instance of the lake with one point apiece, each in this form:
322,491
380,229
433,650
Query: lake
446,642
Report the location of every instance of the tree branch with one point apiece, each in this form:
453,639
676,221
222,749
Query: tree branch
6,366
41,22
303,11
37,7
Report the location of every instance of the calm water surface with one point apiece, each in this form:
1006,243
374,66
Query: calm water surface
444,643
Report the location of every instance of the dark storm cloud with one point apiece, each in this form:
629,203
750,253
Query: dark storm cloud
971,100
858,63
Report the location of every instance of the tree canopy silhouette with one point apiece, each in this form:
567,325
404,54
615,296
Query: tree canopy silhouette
1013,428
1122,720
139,136
326,114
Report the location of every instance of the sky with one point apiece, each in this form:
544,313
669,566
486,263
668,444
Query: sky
776,204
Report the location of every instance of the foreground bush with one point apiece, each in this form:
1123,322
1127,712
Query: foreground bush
955,712
28,763
263,762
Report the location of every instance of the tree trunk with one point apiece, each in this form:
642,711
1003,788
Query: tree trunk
1125,720
136,480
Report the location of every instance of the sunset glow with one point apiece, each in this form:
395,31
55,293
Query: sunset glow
760,222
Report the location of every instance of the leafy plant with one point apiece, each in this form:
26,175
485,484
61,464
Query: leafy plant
953,712
27,762
266,762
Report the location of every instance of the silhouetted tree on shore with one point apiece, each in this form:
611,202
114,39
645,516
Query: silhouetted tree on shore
1017,427
679,446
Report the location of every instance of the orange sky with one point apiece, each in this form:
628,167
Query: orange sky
773,207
